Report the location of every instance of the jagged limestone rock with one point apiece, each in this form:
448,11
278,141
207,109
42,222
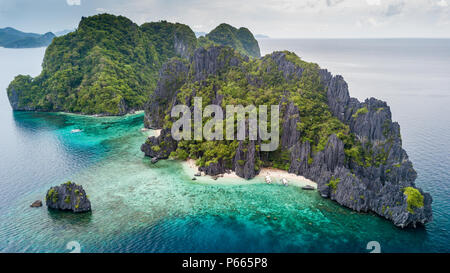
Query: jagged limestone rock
68,197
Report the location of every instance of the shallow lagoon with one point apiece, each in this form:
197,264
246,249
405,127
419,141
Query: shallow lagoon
141,207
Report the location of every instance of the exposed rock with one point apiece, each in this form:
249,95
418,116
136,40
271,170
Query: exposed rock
289,69
244,160
171,77
68,196
154,160
160,147
213,169
206,62
123,107
181,46
290,135
36,204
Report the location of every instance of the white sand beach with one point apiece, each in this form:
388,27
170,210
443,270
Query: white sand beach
276,175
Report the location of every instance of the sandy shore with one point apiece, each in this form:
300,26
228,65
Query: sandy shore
275,174
152,132
293,179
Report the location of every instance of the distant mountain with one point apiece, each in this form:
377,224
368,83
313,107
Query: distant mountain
13,38
261,36
199,33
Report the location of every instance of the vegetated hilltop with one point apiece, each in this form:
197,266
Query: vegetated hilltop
352,149
240,39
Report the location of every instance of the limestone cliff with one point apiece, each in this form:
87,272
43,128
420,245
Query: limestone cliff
352,149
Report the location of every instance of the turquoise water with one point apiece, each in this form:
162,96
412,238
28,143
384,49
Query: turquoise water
140,207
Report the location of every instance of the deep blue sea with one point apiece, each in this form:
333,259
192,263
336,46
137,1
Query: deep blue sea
140,207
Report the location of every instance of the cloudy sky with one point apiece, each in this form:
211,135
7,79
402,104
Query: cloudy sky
276,18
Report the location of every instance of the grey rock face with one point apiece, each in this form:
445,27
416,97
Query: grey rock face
244,160
290,135
123,107
13,97
214,169
171,77
206,62
68,196
160,147
289,69
181,46
377,188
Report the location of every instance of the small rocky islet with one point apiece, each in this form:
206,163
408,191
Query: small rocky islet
352,149
68,197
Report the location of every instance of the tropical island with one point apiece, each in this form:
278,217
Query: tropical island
109,65
351,149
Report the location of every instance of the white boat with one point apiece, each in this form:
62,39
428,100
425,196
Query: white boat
308,188
284,181
76,131
268,179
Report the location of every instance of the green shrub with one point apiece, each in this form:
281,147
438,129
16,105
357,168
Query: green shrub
52,195
414,198
334,182
156,148
361,111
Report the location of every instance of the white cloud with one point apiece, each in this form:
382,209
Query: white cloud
442,3
373,2
73,2
295,18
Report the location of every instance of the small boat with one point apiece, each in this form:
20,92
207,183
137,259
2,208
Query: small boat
76,131
308,188
284,181
268,179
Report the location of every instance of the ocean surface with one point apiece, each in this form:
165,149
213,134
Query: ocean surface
140,207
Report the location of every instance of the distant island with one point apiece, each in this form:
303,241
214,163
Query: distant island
261,36
351,149
13,38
